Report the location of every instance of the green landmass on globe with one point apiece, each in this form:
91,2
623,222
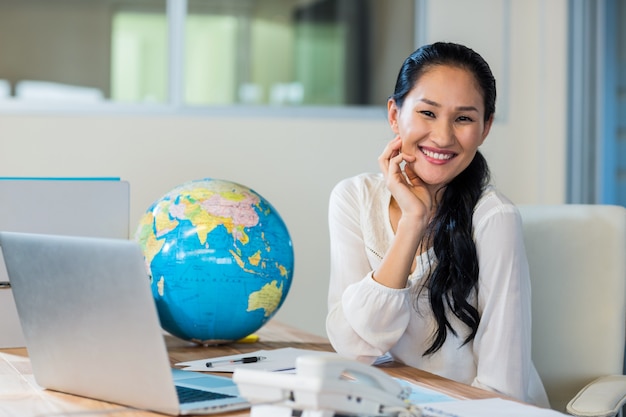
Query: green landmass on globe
220,260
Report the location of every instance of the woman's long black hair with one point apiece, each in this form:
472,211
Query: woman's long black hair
454,278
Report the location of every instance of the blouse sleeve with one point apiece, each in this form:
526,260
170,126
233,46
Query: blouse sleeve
365,319
502,346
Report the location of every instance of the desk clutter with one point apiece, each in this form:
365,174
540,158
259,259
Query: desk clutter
329,385
285,382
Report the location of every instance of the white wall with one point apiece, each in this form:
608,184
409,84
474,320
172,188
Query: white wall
525,43
294,162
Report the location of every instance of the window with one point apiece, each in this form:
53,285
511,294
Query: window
597,121
616,193
199,53
139,55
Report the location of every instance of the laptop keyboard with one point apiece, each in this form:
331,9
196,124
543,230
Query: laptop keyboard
190,395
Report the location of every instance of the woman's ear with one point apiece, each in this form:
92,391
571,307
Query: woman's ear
392,115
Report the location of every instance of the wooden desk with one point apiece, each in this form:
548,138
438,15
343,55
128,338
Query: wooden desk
21,397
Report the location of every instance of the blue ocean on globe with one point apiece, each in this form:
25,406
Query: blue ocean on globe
220,260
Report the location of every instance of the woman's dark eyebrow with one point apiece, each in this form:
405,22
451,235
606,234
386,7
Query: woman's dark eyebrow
460,108
430,102
467,108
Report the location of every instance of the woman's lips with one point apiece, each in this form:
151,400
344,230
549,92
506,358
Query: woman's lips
440,156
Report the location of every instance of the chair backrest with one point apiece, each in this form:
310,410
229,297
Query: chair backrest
577,258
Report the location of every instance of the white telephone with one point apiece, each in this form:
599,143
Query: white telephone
322,386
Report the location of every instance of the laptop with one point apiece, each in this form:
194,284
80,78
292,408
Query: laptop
92,329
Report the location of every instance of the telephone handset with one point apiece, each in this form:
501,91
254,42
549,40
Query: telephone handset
330,383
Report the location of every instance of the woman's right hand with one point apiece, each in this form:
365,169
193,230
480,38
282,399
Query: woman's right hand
407,188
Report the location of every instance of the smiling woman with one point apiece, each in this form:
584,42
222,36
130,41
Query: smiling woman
202,52
427,258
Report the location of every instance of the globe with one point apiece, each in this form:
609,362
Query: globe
220,260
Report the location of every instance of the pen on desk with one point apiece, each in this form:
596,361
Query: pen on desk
247,359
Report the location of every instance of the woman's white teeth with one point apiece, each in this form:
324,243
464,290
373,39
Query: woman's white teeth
437,155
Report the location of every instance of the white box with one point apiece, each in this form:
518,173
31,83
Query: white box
98,207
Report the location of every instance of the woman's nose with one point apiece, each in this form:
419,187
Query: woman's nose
442,134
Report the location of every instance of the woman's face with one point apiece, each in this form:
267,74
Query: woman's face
441,123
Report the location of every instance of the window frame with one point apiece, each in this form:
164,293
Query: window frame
592,119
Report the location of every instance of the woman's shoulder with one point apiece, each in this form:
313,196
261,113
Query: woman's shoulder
494,203
361,186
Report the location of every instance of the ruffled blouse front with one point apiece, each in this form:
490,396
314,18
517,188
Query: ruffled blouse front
366,319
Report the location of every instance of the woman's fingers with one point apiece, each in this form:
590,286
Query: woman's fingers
405,185
391,150
411,175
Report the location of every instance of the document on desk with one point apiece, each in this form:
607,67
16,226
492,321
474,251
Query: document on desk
493,407
422,395
273,360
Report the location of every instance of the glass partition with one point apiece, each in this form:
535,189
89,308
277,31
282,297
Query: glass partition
232,52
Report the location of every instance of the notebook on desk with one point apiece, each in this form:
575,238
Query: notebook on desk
91,325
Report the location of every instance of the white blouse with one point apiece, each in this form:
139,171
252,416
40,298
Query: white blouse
366,319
